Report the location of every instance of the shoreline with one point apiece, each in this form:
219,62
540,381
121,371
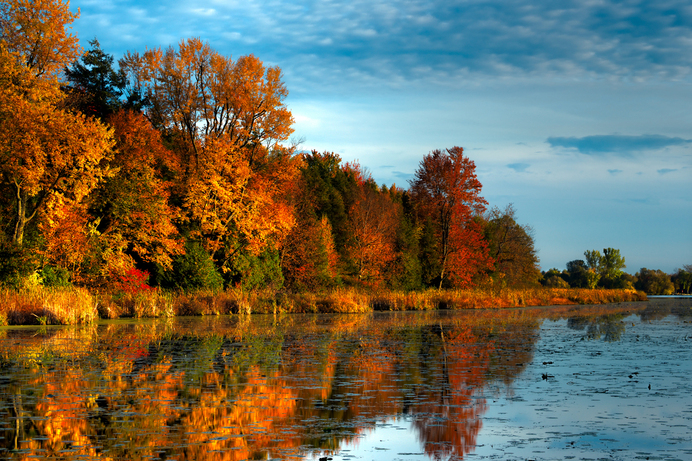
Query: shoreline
74,306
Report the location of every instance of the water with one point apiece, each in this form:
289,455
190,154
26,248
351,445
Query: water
594,382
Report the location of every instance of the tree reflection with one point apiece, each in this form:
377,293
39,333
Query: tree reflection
609,327
247,390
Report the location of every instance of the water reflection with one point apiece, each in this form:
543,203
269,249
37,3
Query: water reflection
232,388
610,327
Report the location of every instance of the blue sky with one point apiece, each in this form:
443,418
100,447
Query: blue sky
577,112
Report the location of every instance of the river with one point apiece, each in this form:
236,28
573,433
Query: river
568,382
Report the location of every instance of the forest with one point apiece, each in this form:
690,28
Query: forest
175,165
174,168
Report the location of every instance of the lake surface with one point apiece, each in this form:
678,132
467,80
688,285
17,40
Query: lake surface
573,382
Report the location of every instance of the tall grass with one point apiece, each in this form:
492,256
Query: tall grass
42,305
47,306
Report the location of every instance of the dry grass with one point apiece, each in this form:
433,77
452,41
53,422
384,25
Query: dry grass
77,306
47,306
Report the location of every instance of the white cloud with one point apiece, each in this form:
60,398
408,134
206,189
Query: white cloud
203,11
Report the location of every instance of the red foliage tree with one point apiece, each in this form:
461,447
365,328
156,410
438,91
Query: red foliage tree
446,191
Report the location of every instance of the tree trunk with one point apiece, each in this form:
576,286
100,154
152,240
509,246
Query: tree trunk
23,217
18,238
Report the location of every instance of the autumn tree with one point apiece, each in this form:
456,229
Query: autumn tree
373,220
35,34
49,156
226,119
446,193
315,247
132,205
197,95
512,247
309,259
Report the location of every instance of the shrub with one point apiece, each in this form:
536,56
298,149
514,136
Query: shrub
55,277
193,270
555,281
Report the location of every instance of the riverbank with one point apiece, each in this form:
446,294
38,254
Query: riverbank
69,306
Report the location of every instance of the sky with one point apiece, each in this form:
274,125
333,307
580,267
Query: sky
576,112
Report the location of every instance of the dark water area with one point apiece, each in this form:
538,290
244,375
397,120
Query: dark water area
572,382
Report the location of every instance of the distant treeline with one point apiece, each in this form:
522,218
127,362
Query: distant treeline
605,271
175,168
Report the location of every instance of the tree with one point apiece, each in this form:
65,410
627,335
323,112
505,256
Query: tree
47,154
682,279
555,281
580,276
612,263
95,87
446,192
34,34
373,221
226,119
405,272
654,282
330,192
553,278
608,266
309,260
316,247
132,204
512,247
198,95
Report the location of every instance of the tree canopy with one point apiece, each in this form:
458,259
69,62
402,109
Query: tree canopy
174,162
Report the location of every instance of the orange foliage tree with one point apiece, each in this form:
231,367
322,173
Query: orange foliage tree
46,152
446,193
373,221
132,206
227,120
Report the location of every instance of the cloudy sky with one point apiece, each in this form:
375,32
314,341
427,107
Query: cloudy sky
577,112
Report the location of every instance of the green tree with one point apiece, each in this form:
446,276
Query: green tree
682,279
578,274
254,272
512,248
593,259
608,266
192,270
406,271
654,282
612,263
553,278
331,192
95,87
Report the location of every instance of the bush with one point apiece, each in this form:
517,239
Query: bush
555,281
257,272
55,277
16,264
193,270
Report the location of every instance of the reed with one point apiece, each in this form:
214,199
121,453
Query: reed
47,306
41,305
155,303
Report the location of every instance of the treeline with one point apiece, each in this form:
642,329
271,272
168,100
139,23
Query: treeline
605,271
175,169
